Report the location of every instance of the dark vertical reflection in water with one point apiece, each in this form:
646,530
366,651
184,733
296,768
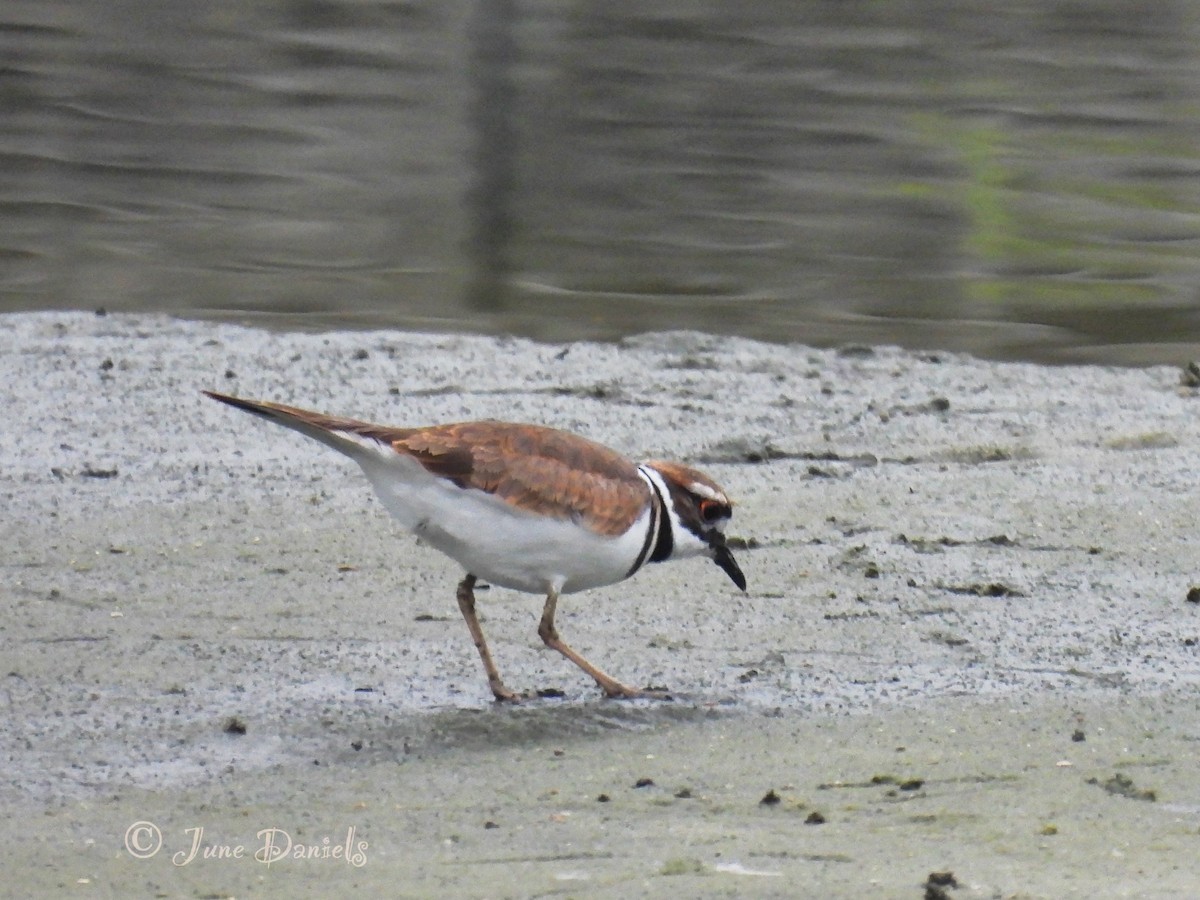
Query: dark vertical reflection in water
495,112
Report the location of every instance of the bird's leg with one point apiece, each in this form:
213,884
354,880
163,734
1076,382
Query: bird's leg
549,635
466,603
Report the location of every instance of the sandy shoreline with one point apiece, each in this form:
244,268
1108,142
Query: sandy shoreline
971,561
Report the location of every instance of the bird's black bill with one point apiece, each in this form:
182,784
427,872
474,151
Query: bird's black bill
723,557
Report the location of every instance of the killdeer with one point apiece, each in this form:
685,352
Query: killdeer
529,508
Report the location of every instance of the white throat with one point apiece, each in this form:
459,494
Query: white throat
674,540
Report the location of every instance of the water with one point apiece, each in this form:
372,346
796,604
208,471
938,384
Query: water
1019,181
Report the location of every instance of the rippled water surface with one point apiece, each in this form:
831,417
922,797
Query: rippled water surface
1016,180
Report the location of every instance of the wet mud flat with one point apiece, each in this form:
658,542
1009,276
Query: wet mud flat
966,662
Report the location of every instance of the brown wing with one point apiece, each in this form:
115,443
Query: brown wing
543,470
538,469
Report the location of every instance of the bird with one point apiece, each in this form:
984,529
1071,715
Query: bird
529,508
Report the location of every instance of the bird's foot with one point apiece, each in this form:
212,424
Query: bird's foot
618,691
504,695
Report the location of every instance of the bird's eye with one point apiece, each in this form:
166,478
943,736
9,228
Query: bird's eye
713,510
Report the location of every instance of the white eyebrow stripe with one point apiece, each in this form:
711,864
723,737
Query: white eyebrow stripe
703,490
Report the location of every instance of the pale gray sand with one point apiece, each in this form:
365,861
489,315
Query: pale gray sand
970,561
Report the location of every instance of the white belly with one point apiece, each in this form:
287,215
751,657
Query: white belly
499,543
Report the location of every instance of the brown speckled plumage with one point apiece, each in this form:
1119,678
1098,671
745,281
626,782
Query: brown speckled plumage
534,468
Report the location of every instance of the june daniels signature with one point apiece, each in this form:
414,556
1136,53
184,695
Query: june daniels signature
144,840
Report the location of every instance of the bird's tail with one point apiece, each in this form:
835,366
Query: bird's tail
348,436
